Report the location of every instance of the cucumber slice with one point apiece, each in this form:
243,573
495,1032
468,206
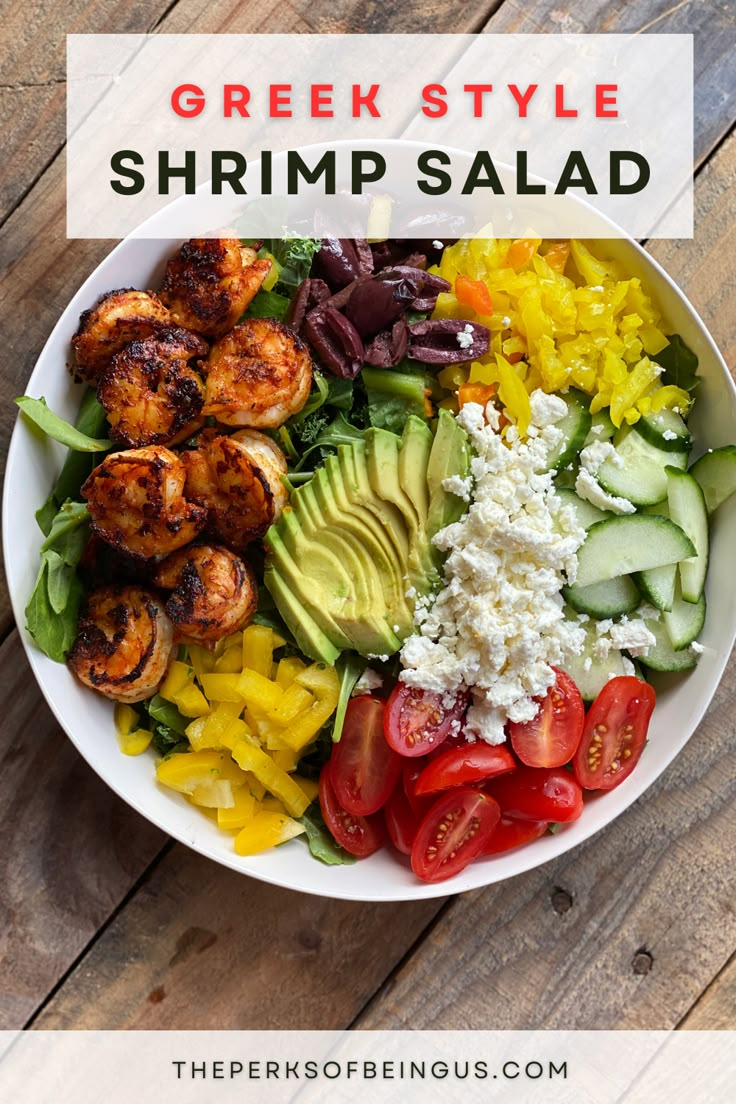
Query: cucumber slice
716,474
574,426
637,473
662,656
601,429
665,430
634,542
657,585
566,478
687,509
685,621
586,513
590,674
602,600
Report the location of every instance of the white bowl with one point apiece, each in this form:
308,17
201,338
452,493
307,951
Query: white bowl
87,718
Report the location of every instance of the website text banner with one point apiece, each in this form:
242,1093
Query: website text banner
382,1067
416,136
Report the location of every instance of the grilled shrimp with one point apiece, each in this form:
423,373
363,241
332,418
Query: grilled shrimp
214,592
238,480
151,394
259,374
119,318
124,643
137,504
209,283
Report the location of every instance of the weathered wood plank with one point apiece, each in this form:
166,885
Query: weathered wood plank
716,1008
69,848
265,957
712,25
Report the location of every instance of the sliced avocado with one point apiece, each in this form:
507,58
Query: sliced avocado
414,453
450,455
353,509
354,467
303,628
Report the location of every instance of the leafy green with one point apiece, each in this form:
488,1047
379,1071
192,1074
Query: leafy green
166,741
349,667
55,427
295,256
91,421
268,304
165,713
52,611
310,764
680,364
321,844
339,432
392,397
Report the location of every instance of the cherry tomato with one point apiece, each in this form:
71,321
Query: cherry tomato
459,765
363,768
551,738
539,793
411,770
510,833
416,721
615,733
359,835
400,820
453,833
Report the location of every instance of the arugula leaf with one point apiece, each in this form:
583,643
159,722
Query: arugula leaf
680,364
295,256
320,842
268,304
55,427
91,420
392,397
350,667
165,713
339,432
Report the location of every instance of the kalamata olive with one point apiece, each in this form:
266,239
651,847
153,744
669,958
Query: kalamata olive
309,294
389,253
335,340
428,286
388,347
378,301
447,341
341,260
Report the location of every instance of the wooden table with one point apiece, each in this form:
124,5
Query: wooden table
104,923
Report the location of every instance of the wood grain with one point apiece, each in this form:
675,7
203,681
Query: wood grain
715,1009
69,848
713,27
264,957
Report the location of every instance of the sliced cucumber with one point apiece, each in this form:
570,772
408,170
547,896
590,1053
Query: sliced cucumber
601,429
586,513
566,477
716,474
661,508
602,600
637,472
684,621
662,656
658,585
688,510
574,426
591,674
665,430
634,542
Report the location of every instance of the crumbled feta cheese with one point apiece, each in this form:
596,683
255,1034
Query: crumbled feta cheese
497,625
669,435
597,287
588,487
631,636
505,321
438,244
697,647
587,663
645,612
465,337
369,680
380,658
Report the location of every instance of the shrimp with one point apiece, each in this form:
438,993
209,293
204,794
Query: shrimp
214,592
151,394
209,283
137,504
124,643
257,375
119,318
238,479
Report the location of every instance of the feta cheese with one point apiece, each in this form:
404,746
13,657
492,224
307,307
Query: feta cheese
505,321
626,635
497,626
465,337
369,680
697,647
588,487
438,244
669,435
597,287
456,485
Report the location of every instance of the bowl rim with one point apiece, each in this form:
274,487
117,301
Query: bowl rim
476,875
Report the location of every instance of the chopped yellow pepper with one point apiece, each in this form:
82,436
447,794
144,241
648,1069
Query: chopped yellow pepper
135,742
185,770
258,648
239,813
265,830
276,781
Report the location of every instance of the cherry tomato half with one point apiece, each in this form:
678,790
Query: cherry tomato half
416,721
453,833
551,738
363,768
401,821
359,835
615,733
411,770
510,833
459,765
539,793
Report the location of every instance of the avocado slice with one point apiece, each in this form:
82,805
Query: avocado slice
354,468
414,453
308,635
450,455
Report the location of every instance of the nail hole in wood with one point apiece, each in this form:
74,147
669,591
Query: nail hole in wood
642,961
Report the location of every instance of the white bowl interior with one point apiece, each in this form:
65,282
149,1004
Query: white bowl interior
87,718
